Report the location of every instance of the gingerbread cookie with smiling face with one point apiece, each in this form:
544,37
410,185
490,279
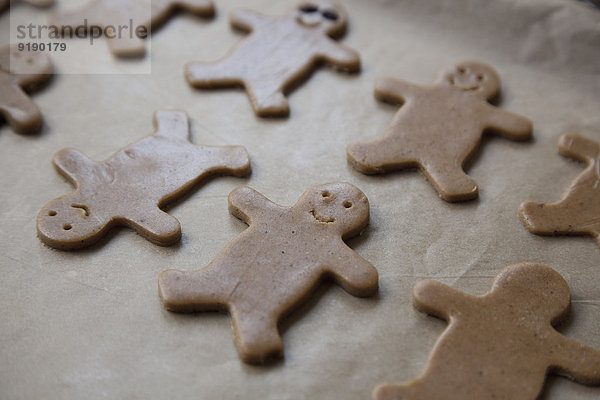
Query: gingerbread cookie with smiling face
438,127
273,265
22,70
278,53
578,213
130,187
500,345
137,17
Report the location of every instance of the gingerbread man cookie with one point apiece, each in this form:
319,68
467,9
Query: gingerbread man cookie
38,3
273,265
578,213
125,23
500,345
21,70
278,53
130,187
438,127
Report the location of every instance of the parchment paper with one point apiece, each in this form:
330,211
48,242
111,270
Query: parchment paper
90,325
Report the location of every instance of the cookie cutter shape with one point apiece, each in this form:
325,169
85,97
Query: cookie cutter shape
109,15
129,187
278,54
578,213
438,127
21,70
273,266
500,345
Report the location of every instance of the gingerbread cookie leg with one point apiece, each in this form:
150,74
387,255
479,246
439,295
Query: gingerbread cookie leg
267,99
256,335
21,113
450,180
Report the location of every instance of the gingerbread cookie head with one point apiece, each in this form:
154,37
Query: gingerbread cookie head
67,221
471,77
325,15
340,206
542,292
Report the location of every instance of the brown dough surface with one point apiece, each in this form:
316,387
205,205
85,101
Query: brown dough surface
500,345
438,127
103,13
128,188
578,213
18,70
278,53
274,265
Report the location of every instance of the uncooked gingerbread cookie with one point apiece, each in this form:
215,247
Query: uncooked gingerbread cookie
21,70
438,127
38,3
131,20
278,53
272,266
130,187
500,345
578,213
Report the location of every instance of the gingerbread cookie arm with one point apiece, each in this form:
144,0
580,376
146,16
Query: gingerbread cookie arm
74,165
155,225
352,272
507,124
246,20
575,360
338,55
394,91
247,204
437,299
579,148
127,46
22,114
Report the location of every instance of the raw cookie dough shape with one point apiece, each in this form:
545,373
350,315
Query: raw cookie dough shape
22,70
438,127
278,53
273,265
37,3
129,187
578,213
500,345
104,13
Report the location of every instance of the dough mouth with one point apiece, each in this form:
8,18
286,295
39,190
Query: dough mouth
321,219
465,87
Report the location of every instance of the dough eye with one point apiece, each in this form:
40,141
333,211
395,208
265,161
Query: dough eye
348,204
325,194
461,70
479,77
309,8
330,15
